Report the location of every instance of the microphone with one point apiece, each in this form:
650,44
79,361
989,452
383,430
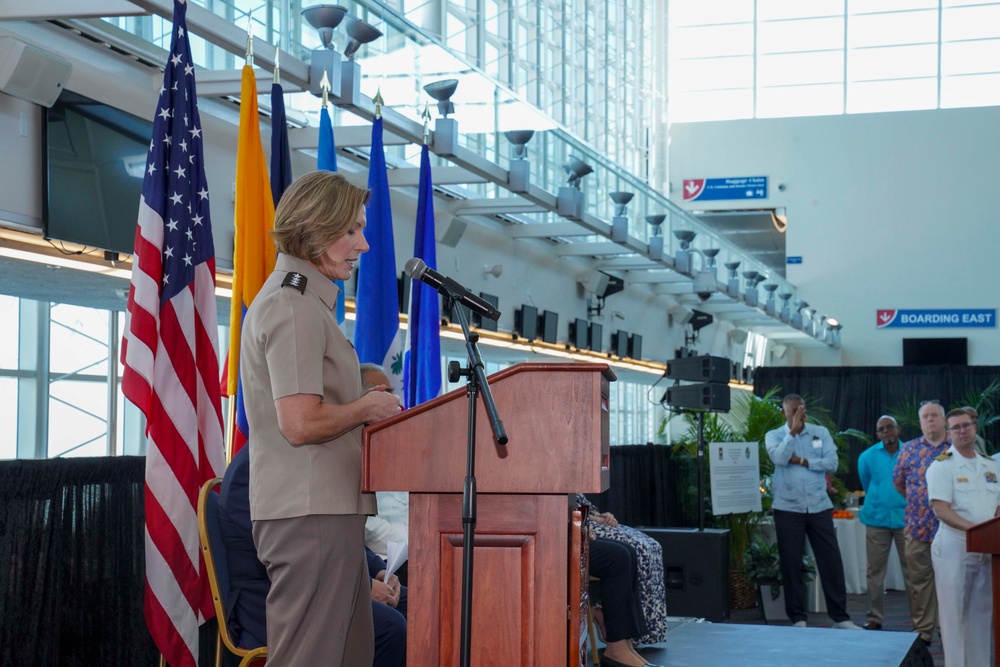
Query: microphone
418,270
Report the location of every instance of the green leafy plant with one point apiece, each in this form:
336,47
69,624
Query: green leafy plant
762,566
748,420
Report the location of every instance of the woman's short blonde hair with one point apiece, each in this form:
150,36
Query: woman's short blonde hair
315,211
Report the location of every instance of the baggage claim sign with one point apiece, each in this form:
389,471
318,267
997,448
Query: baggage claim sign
967,318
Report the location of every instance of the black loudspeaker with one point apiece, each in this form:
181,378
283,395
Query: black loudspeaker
695,571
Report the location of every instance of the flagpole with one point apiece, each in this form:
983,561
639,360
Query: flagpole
230,427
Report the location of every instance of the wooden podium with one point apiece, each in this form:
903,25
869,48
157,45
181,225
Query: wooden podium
985,538
527,578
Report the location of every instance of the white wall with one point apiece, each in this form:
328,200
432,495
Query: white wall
893,210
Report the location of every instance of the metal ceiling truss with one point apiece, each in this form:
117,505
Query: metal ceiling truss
625,254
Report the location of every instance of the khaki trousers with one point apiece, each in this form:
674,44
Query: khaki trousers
878,546
923,600
319,609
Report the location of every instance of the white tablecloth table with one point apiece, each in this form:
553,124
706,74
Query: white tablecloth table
851,540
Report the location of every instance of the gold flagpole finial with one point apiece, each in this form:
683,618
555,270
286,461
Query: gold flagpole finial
277,66
249,56
426,115
325,86
378,102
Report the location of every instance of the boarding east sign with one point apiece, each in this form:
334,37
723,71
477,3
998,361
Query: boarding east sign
958,318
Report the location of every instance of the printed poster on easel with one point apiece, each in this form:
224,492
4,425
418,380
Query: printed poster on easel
734,477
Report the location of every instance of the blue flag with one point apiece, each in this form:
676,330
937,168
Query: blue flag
281,159
422,375
326,160
376,330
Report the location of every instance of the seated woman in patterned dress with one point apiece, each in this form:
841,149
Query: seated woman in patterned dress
652,594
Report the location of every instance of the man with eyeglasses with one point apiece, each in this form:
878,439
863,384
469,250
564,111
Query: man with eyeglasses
964,491
980,441
909,478
882,515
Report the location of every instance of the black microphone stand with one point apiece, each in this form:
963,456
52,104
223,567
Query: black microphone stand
701,471
477,383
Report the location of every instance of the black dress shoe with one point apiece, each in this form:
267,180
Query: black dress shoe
872,625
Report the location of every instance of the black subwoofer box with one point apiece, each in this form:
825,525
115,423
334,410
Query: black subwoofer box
695,571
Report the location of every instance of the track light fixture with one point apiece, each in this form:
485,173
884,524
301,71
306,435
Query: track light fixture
786,313
576,169
442,92
621,200
656,222
685,236
361,33
325,19
770,306
519,143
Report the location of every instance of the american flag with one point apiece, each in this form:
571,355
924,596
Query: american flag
169,350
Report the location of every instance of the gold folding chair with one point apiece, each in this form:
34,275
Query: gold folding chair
214,551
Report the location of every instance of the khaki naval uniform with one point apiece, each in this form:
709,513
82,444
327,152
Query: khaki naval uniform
306,502
962,579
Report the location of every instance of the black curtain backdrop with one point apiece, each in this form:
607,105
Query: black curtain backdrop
651,486
72,546
857,396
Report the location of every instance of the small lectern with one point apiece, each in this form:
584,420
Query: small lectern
528,581
984,538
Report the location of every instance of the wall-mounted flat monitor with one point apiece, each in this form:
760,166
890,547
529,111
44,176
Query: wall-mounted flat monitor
595,340
95,159
549,324
485,323
526,322
619,344
578,333
635,346
935,351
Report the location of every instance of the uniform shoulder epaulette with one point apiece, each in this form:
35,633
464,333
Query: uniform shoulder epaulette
944,456
296,280
985,456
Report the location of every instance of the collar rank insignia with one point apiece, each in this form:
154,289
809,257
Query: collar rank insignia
296,280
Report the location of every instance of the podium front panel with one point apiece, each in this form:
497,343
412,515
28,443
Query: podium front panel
520,597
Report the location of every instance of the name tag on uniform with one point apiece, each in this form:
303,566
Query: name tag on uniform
991,478
962,480
817,443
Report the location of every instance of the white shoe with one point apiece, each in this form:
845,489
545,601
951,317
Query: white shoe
799,624
847,625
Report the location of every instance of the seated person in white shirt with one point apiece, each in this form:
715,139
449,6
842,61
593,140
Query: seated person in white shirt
392,523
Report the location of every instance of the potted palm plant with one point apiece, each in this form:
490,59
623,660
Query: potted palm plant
748,420
762,568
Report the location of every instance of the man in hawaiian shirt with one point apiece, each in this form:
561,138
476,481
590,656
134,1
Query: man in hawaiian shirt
909,478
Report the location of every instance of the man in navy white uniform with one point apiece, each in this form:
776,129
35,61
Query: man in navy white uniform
803,454
963,488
